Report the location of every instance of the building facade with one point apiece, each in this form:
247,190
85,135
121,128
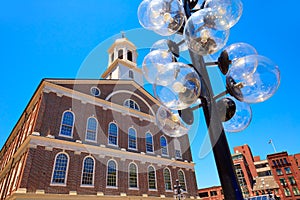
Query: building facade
277,176
95,139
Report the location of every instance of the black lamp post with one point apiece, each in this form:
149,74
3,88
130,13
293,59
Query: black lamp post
250,78
178,190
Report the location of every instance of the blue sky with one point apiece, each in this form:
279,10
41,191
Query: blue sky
52,39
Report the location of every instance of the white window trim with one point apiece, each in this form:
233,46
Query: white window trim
152,152
167,146
67,170
87,130
112,187
170,179
155,178
61,123
136,143
93,182
115,145
185,191
96,89
137,177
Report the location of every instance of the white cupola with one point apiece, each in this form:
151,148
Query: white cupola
122,61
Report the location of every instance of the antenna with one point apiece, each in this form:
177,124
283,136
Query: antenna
271,142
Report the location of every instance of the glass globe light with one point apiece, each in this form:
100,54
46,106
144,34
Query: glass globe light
258,77
226,12
154,63
239,50
241,119
200,34
178,86
166,16
143,16
160,45
170,122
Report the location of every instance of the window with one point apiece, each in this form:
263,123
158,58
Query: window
282,181
95,91
287,192
181,180
88,171
285,161
163,145
151,178
120,54
131,138
177,149
167,179
133,176
91,129
149,142
66,128
112,57
111,174
213,193
274,163
131,75
129,103
296,191
60,169
292,180
129,55
287,170
279,172
113,134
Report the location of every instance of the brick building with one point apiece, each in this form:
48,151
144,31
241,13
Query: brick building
80,139
278,175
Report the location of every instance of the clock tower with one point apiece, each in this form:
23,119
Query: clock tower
122,62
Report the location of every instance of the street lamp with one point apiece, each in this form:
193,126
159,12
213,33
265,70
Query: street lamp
184,87
178,190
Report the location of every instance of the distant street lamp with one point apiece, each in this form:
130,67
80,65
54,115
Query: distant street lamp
184,87
178,191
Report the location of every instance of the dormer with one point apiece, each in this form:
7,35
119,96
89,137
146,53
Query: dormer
122,62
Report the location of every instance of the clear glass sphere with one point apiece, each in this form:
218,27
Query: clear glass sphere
154,63
241,119
143,15
170,122
178,86
166,16
226,13
201,36
239,50
259,76
179,39
160,45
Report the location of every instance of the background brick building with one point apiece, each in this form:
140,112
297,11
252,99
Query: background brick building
97,138
278,175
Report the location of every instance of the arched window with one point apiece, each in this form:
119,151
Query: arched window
129,55
149,142
151,178
181,180
178,154
113,134
111,174
88,171
163,145
91,129
120,54
129,103
133,182
112,57
131,138
67,123
167,179
131,75
60,169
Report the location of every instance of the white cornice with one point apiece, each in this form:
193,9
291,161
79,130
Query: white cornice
108,152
